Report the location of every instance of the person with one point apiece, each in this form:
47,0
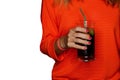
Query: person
62,30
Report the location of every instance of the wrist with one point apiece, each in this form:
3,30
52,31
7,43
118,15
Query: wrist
60,45
63,42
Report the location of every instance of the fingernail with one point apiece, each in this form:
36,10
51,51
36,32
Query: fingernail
85,48
89,43
87,30
90,38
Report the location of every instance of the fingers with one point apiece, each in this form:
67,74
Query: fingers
79,41
80,29
78,37
82,36
80,32
73,45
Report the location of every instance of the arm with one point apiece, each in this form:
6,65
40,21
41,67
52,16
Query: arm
50,36
50,31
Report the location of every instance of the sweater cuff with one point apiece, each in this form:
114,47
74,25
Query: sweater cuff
52,53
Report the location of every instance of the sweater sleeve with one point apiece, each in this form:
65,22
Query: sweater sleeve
50,30
117,36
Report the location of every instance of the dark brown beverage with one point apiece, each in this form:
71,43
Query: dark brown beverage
89,54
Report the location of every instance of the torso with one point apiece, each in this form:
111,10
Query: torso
105,19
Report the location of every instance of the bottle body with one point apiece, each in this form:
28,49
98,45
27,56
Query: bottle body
89,53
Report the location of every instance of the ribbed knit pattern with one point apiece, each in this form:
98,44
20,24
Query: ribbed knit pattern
56,22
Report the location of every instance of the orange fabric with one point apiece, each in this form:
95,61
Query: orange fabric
56,22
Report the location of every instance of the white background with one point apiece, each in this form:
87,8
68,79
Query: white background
20,35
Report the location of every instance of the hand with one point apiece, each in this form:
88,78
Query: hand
77,38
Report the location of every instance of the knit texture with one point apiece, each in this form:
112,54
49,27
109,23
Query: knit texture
58,20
